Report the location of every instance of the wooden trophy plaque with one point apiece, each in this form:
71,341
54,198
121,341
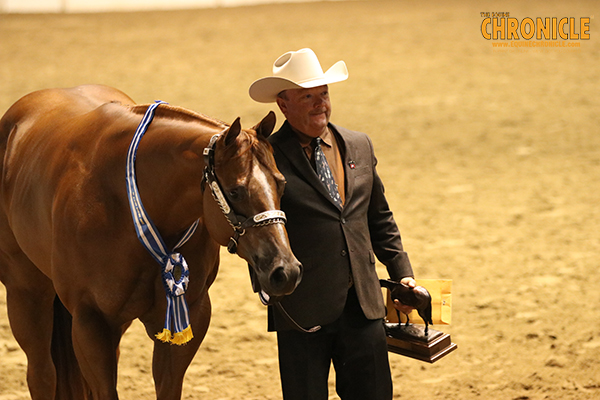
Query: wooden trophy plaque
411,341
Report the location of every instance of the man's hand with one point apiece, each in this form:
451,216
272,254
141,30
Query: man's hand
411,283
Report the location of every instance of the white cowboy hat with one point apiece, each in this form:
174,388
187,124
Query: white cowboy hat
296,70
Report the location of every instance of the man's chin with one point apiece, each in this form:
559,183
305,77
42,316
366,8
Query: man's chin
319,122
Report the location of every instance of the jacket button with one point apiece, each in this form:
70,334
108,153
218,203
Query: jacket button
343,253
343,220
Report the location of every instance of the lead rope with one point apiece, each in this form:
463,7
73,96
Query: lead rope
174,269
265,299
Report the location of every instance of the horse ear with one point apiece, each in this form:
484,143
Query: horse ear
233,132
266,126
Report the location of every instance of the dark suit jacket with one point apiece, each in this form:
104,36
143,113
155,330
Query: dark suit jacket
332,243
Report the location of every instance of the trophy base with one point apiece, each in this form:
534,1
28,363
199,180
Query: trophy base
411,341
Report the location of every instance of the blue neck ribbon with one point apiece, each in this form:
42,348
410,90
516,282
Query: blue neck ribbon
174,268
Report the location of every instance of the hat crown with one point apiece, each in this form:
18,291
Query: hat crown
298,66
296,70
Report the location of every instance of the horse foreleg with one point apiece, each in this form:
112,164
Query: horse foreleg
30,301
30,313
96,341
170,362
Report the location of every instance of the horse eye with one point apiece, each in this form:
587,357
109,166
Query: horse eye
236,194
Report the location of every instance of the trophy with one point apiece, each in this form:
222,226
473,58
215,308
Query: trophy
415,341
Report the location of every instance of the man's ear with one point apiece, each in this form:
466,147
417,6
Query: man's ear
282,106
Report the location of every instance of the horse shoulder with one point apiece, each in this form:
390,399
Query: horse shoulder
61,178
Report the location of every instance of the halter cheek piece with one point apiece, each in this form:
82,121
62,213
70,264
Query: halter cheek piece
237,222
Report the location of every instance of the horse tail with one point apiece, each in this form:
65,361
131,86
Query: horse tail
70,384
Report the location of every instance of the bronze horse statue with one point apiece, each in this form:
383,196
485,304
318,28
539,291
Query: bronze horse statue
75,272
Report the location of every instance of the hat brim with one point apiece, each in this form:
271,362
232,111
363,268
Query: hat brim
265,90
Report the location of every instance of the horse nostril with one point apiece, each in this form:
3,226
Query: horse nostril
278,277
284,279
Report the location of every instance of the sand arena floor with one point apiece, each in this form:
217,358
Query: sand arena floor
490,158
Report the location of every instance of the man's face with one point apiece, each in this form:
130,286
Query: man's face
307,110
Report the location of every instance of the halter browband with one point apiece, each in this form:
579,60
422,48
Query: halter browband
237,222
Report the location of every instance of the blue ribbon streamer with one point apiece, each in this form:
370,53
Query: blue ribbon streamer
177,315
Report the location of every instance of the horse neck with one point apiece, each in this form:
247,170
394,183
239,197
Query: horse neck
169,165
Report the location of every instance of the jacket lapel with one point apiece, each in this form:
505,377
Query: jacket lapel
349,163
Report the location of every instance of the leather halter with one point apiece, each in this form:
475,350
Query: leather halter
237,222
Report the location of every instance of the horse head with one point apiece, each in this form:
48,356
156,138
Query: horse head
242,205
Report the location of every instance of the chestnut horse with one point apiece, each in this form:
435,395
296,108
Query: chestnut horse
75,272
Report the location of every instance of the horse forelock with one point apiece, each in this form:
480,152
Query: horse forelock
253,146
247,150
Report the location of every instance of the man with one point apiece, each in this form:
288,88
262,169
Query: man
338,220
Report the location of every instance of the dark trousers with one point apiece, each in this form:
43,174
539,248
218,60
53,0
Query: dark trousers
357,347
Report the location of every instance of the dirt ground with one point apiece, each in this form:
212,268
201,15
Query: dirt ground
491,160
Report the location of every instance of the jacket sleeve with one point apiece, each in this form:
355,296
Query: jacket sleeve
385,235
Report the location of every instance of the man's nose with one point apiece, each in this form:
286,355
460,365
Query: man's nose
319,101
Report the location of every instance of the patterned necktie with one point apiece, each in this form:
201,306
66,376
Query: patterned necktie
324,172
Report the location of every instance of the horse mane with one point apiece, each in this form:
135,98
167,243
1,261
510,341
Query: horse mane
256,144
177,113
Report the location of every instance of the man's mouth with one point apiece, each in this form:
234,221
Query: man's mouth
317,113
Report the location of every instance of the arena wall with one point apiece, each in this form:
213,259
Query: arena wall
56,6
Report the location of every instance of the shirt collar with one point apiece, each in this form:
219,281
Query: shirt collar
305,141
327,138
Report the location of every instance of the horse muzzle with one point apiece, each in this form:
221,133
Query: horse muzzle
281,280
